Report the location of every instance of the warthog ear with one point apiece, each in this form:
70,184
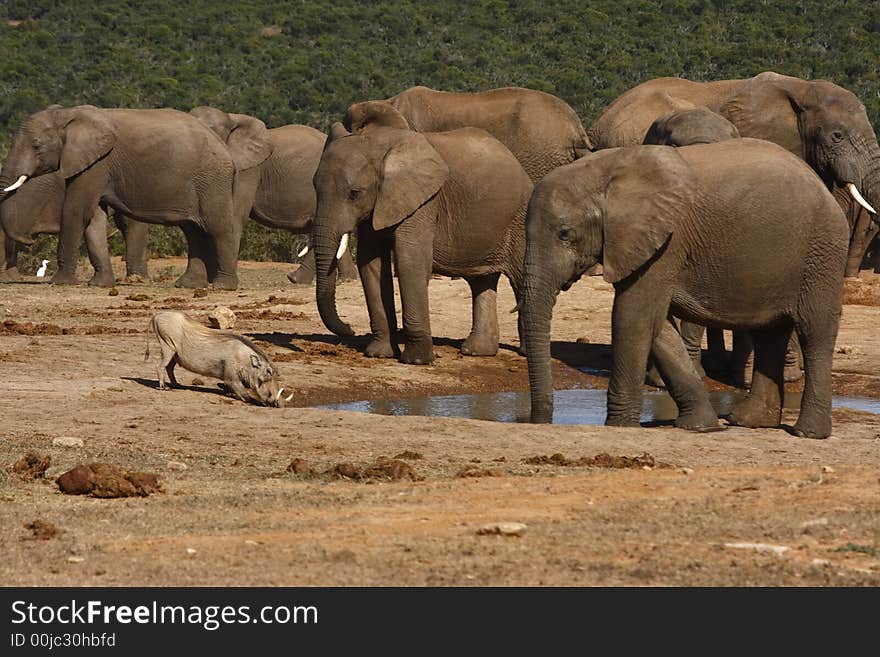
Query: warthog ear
255,360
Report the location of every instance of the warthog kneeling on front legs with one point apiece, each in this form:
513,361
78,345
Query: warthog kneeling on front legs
239,363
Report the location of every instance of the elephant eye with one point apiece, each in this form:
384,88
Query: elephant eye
566,234
837,136
354,194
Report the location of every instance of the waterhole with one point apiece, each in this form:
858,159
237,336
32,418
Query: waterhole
581,406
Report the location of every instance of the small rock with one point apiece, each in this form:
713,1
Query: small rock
113,292
75,559
820,562
502,529
222,318
250,542
778,550
846,349
191,550
827,469
197,382
687,471
816,522
200,293
67,441
583,340
176,465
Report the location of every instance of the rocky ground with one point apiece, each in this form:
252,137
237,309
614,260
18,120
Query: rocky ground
247,495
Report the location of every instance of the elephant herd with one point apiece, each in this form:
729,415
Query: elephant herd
734,204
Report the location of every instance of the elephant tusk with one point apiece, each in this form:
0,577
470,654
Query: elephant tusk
343,245
305,250
516,308
18,183
854,192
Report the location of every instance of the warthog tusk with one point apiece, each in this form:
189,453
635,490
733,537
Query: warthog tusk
18,183
305,250
277,397
289,397
343,245
854,192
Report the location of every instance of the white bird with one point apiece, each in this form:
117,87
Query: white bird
42,270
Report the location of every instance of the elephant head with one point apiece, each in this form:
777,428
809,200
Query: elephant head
381,175
246,137
819,121
699,125
617,205
65,139
34,208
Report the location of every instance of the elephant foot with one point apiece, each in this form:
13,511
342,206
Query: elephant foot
379,348
751,412
793,373
701,419
622,421
193,281
301,277
103,279
418,353
479,345
225,282
817,428
64,278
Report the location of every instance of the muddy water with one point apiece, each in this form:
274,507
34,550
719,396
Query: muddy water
570,406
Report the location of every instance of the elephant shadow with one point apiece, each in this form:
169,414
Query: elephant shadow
592,359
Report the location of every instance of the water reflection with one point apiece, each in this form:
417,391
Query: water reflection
581,406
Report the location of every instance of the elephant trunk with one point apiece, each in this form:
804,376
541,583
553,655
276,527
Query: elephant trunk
326,244
539,297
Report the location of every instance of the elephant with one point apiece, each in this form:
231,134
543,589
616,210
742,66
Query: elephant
36,208
157,166
657,216
284,196
819,121
700,125
541,130
451,203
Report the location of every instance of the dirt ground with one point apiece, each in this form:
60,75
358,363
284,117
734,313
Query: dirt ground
302,496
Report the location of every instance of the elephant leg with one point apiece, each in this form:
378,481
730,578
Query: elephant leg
762,406
692,336
653,376
9,267
78,208
196,274
414,252
742,360
305,275
374,262
346,269
793,369
483,338
99,250
817,345
136,235
682,380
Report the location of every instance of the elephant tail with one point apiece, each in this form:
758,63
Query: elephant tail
582,145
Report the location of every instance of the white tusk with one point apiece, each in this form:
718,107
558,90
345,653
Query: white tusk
18,183
854,192
305,250
343,245
279,394
289,397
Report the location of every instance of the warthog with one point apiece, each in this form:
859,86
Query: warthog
241,365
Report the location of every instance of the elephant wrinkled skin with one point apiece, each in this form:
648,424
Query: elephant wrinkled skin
656,215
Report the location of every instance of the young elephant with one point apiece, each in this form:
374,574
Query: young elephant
657,216
247,372
451,203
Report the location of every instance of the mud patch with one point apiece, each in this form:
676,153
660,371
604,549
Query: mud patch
105,480
475,471
603,460
384,469
860,292
32,466
271,301
10,327
41,530
269,314
408,455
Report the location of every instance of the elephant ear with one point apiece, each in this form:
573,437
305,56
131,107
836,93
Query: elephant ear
248,143
412,172
646,193
767,107
371,114
88,136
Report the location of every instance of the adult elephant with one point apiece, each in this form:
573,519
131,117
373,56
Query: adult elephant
542,131
281,184
37,207
697,232
822,123
450,203
157,166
